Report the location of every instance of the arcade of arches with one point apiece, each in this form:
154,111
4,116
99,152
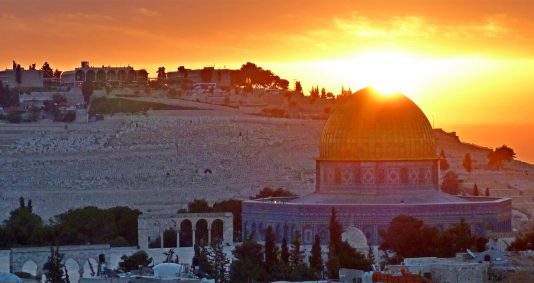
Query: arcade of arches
126,74
80,261
184,230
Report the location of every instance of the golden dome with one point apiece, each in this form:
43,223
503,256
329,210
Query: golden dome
372,126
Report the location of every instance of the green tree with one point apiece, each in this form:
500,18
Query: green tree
314,92
57,74
524,241
458,238
87,91
18,74
451,183
271,251
500,155
198,206
97,226
25,228
323,93
268,192
202,254
14,117
468,163
408,237
443,163
487,192
248,264
162,76
316,257
296,255
136,261
218,262
53,267
298,269
298,87
475,191
47,71
124,220
333,263
284,253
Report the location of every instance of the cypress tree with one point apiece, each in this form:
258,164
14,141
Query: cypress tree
487,193
316,259
475,191
271,251
335,229
296,255
54,267
284,254
333,262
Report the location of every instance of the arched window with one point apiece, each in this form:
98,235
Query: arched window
90,76
186,234
217,231
201,232
169,238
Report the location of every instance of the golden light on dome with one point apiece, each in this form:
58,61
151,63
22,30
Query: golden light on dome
370,126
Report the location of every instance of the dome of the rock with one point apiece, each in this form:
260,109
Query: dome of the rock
372,126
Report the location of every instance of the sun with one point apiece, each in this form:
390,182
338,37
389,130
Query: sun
392,72
389,72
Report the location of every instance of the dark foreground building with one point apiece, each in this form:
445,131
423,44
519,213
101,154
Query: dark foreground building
377,161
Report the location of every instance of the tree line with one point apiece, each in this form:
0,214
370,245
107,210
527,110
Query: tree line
256,262
116,226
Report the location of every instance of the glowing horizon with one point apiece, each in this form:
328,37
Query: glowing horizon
459,65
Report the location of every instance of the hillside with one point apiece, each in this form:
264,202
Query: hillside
516,180
163,159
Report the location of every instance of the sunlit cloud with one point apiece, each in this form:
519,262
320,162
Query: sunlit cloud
147,12
421,27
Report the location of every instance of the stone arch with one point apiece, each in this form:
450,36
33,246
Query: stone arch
121,75
79,76
30,267
169,238
90,268
73,269
132,75
111,76
186,233
217,231
201,232
101,75
90,76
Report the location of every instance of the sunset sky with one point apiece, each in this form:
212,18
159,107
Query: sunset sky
463,62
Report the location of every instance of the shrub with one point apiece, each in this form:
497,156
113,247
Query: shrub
14,117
